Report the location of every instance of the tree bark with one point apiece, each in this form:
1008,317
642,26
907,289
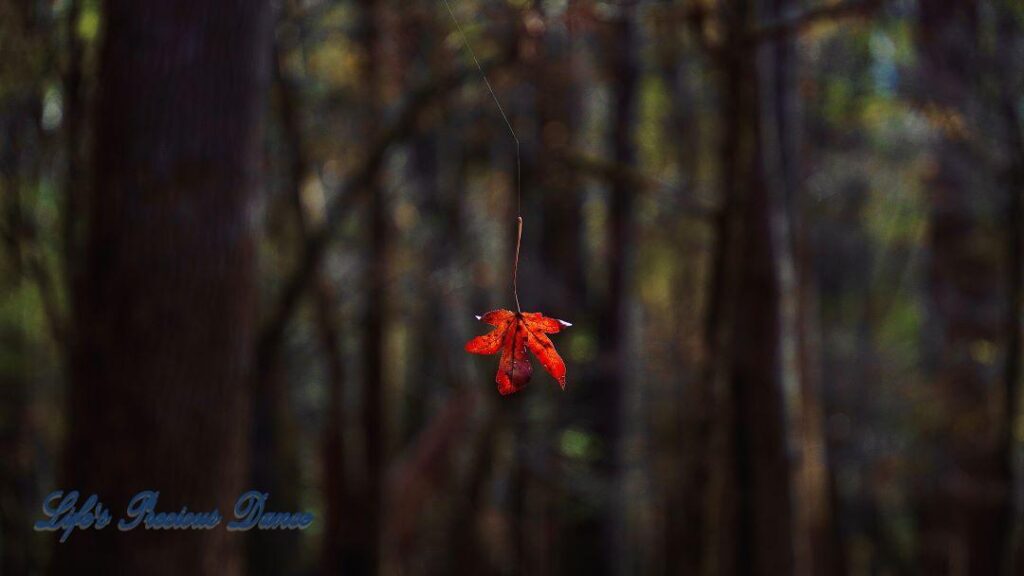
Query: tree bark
164,310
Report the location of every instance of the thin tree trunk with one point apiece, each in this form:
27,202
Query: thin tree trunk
74,120
466,555
816,480
557,115
164,310
275,465
715,554
1009,524
1009,30
337,545
376,293
425,372
612,324
338,549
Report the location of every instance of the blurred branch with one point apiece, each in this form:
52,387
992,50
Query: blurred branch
696,17
338,499
615,172
799,21
26,254
404,124
20,228
414,478
40,274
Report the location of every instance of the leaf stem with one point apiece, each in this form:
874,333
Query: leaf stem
515,265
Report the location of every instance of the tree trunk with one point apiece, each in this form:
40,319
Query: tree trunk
748,323
816,545
164,310
274,465
686,524
1009,38
1009,524
74,121
20,464
373,344
554,240
558,111
960,514
764,533
612,324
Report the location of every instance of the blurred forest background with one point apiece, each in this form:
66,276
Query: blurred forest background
244,244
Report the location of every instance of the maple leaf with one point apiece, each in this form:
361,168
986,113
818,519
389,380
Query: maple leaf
513,333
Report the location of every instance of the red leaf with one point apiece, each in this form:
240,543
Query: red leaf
513,333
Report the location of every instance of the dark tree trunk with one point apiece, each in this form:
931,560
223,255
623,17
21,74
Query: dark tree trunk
164,309
686,525
74,124
274,465
20,482
687,447
278,552
1009,523
338,548
960,514
764,533
814,535
429,154
551,179
274,460
1010,526
597,536
553,239
376,293
610,384
747,323
20,465
717,550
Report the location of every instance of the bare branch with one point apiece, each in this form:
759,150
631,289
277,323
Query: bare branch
614,172
354,191
797,22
